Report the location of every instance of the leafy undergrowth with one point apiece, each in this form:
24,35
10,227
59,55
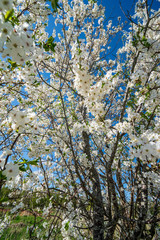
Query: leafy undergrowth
17,230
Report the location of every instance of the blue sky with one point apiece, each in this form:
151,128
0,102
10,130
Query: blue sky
113,9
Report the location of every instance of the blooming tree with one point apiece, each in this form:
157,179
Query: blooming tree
81,129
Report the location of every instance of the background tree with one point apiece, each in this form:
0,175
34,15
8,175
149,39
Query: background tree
89,124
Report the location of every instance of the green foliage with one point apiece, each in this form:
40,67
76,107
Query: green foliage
18,226
13,65
92,1
67,226
4,194
138,39
49,45
2,177
135,41
25,164
17,230
55,5
145,42
8,16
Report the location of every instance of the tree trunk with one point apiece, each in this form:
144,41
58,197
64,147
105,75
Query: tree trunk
98,213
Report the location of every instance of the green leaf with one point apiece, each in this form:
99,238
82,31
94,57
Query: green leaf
55,5
24,161
22,168
49,45
79,51
2,177
33,162
130,104
103,84
144,39
14,20
66,226
92,1
144,115
4,199
8,15
135,41
13,64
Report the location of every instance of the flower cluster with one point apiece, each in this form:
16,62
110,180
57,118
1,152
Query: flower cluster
6,31
19,44
17,36
3,157
94,93
17,207
82,81
6,5
11,170
20,120
147,147
4,223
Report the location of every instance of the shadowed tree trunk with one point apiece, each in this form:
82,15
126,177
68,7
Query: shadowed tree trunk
98,211
97,201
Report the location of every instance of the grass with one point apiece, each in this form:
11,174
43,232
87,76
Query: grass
17,230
